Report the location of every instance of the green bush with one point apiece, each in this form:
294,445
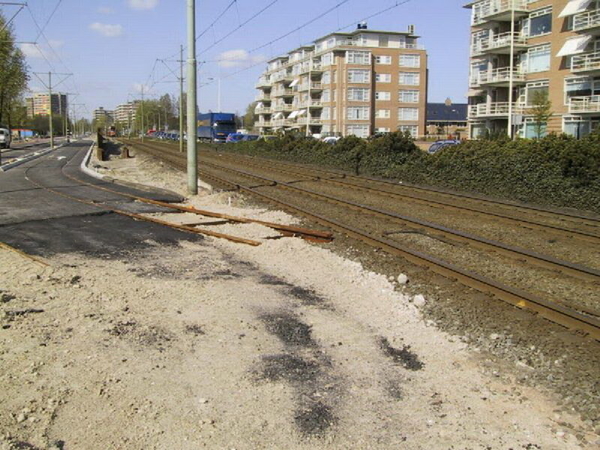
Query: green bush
556,170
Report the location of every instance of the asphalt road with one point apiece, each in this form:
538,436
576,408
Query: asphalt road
42,222
20,150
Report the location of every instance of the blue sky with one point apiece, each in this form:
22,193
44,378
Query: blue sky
111,46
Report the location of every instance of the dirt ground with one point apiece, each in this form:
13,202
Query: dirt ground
212,344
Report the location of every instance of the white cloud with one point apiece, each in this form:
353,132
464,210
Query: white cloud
142,4
106,29
238,58
137,87
32,51
106,10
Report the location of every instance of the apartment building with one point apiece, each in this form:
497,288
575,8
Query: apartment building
39,104
357,83
106,115
520,47
125,113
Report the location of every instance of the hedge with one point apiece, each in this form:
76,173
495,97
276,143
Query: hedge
557,170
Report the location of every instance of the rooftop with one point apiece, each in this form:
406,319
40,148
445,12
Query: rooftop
447,112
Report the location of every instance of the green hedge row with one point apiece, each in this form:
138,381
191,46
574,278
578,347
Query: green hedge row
554,171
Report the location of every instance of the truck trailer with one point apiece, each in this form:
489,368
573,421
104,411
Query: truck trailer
215,127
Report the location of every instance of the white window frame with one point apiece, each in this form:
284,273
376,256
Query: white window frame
365,75
358,94
357,112
382,130
383,59
414,60
382,114
358,57
383,96
411,118
351,130
387,77
544,48
408,95
403,75
410,129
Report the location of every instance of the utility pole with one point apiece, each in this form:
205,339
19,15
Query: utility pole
49,87
192,131
143,133
181,100
219,93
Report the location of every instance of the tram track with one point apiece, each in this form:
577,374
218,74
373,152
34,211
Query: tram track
582,318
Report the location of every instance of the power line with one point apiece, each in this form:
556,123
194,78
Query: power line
49,19
216,20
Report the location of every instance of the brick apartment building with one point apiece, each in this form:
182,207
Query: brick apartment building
519,47
39,104
357,83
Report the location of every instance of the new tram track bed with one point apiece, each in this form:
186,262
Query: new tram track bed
543,352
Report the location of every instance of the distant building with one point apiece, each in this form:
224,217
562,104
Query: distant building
39,104
125,113
106,115
357,83
447,118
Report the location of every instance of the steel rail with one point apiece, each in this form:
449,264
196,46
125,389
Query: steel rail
554,312
337,180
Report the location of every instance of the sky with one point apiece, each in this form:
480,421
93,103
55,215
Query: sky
113,47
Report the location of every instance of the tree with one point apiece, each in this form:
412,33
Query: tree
13,75
250,116
541,111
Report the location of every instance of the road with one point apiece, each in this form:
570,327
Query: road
37,219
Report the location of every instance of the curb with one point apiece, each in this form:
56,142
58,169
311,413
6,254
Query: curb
28,158
140,187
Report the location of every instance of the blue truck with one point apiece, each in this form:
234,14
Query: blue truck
215,127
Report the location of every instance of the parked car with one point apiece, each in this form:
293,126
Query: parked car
5,138
250,137
267,137
235,137
331,139
439,145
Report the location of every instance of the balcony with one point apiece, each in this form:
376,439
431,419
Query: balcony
584,105
283,107
588,21
262,97
264,124
497,110
498,11
263,110
263,83
586,63
500,44
500,77
289,92
312,67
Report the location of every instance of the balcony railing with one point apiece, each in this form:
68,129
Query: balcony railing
580,105
282,92
586,62
283,107
484,11
262,96
263,83
263,110
499,76
265,123
497,109
500,41
586,20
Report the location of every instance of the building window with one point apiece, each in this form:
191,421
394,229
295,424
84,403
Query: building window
382,95
383,59
382,114
580,87
358,94
408,96
532,88
576,126
408,113
409,78
412,129
384,40
538,59
383,78
325,96
327,59
357,113
539,22
326,113
359,76
410,61
326,79
382,130
356,57
357,130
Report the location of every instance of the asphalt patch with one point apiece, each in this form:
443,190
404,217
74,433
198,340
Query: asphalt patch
273,281
403,356
107,235
289,329
306,296
288,368
315,420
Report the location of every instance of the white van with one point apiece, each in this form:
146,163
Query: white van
4,138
